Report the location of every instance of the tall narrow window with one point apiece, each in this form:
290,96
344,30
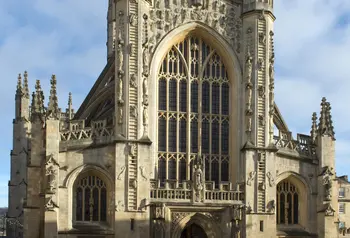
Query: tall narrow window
287,203
91,200
193,112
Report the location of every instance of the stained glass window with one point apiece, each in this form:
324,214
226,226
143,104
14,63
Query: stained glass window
193,112
91,200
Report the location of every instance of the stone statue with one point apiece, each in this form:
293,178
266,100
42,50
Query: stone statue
145,91
145,115
145,60
51,179
249,68
120,57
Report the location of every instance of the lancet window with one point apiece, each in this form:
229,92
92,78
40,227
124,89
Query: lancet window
91,199
287,203
193,112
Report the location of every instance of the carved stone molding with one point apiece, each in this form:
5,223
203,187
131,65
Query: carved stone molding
270,179
143,173
122,169
251,178
223,17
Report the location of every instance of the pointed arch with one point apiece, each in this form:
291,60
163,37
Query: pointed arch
303,190
207,223
234,74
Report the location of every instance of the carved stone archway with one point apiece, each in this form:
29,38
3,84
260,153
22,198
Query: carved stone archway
303,189
207,224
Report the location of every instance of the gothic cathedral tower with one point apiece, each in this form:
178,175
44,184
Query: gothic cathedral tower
176,137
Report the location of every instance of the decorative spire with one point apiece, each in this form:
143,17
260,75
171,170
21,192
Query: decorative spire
53,111
25,85
19,85
325,126
70,106
38,101
314,127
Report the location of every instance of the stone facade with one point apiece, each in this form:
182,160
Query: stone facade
176,137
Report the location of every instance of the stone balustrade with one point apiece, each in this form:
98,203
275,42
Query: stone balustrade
183,192
303,145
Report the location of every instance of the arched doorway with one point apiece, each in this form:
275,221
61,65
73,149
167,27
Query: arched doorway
193,231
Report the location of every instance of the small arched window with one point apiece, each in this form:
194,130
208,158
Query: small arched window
90,199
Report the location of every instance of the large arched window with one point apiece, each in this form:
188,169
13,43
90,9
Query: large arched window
90,199
287,203
193,112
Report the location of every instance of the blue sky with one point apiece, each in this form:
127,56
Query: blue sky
67,38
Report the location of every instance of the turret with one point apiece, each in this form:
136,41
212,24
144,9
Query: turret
327,192
22,98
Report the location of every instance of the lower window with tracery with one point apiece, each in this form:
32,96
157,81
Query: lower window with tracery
91,200
287,203
193,112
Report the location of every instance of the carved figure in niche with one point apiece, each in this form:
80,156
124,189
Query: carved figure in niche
51,179
120,118
120,91
119,206
251,178
272,70
261,120
145,115
133,81
327,182
260,64
133,150
262,38
145,60
248,68
120,57
133,19
249,98
271,179
271,206
261,90
198,180
145,91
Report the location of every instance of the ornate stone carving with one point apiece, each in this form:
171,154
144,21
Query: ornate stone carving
223,17
133,19
262,38
271,206
131,49
271,179
119,206
262,186
133,111
176,217
51,174
133,183
159,212
329,211
133,81
251,178
143,173
260,64
261,120
120,67
198,180
327,177
50,205
122,169
261,90
132,150
145,72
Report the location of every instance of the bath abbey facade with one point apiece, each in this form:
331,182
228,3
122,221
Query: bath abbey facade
179,137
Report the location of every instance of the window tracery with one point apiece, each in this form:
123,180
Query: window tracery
287,203
91,199
193,112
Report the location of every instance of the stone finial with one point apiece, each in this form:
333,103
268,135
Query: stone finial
19,85
70,106
325,126
25,85
53,111
38,101
314,127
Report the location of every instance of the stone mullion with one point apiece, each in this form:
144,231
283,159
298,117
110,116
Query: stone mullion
188,124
